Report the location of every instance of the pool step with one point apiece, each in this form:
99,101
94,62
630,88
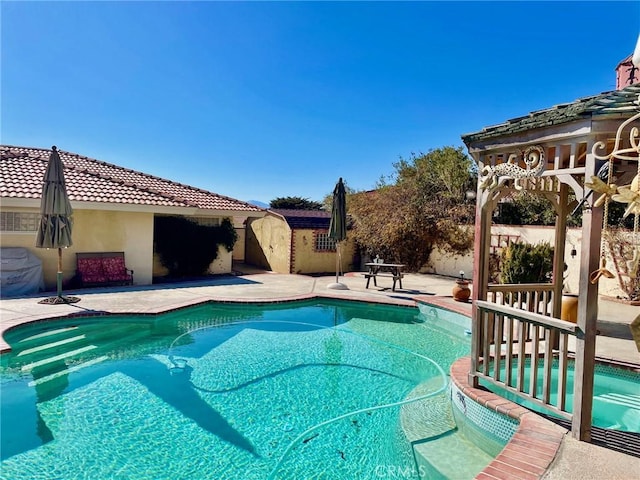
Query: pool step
55,344
75,338
450,455
66,371
35,339
59,358
627,400
441,450
56,358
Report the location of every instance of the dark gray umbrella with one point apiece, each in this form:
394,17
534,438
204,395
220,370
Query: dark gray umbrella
54,229
338,225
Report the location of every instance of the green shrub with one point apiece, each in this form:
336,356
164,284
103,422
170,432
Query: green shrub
526,263
186,248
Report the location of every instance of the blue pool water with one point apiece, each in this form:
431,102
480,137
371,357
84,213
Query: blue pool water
616,395
226,391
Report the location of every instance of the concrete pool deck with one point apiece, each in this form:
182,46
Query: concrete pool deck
573,460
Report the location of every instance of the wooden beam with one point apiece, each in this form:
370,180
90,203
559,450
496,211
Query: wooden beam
481,246
587,317
558,249
529,317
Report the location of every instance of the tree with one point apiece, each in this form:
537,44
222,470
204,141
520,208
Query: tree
295,203
528,208
187,248
423,208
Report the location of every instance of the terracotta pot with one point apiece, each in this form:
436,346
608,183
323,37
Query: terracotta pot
569,309
461,291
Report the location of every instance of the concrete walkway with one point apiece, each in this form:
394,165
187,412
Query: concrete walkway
575,459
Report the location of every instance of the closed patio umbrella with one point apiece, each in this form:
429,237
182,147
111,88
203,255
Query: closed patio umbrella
338,227
54,229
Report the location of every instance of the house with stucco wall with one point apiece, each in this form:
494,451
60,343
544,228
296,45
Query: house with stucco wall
114,210
296,241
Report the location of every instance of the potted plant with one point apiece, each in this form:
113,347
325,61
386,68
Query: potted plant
461,291
569,306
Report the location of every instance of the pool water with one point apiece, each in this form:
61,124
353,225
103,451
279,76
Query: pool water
616,395
226,391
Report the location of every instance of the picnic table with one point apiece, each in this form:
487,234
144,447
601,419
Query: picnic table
391,270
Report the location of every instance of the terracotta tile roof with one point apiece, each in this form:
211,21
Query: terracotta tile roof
90,180
615,102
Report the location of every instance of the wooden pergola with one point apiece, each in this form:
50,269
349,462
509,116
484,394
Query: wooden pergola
518,338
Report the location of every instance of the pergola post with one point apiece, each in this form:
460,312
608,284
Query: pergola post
587,317
481,245
558,248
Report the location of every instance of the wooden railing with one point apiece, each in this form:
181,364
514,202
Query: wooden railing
511,342
534,297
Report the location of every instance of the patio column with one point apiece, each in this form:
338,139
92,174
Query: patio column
587,317
482,242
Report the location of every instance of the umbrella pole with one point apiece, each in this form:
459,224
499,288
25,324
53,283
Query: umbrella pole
337,261
59,274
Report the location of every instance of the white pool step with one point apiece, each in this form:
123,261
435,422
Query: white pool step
67,371
450,456
48,333
627,400
56,358
47,346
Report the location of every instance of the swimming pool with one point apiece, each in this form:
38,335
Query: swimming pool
290,390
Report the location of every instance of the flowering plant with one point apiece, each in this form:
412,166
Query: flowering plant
462,279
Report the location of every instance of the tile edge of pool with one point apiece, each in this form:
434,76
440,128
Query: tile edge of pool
540,437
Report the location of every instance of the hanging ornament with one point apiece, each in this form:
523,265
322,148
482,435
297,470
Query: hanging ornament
601,272
629,194
606,190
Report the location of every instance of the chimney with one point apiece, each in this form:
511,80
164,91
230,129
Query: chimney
628,70
626,74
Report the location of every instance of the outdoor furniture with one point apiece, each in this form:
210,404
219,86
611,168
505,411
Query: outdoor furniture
103,269
391,270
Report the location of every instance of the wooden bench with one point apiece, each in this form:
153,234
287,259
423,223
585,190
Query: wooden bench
396,278
379,269
102,269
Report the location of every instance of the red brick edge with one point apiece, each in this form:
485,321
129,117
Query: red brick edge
532,448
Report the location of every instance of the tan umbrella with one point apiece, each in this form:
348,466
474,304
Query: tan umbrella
54,229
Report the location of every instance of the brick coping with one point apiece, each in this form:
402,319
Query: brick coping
533,447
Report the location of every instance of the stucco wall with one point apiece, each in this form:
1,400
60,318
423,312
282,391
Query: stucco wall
268,243
308,260
95,231
239,247
445,264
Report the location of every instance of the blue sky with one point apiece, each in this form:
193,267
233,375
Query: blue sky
257,100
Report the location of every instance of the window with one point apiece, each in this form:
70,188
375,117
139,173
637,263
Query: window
19,221
324,242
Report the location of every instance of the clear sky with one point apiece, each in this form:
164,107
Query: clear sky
257,100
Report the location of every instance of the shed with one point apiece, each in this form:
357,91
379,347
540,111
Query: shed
295,241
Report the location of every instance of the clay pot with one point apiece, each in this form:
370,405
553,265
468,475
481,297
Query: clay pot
569,309
461,291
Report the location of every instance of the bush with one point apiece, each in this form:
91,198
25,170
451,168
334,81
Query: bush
526,263
623,248
186,248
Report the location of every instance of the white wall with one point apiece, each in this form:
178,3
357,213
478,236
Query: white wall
442,263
